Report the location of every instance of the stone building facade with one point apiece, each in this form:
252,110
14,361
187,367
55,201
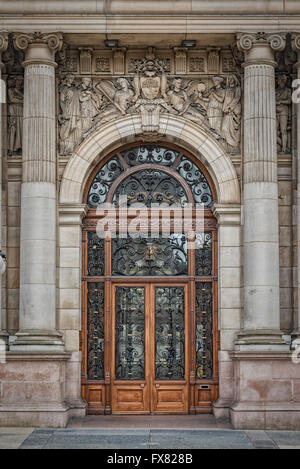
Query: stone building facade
209,96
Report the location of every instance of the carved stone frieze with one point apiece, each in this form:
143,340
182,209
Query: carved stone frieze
212,101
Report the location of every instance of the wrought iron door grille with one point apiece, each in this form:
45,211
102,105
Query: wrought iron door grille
169,333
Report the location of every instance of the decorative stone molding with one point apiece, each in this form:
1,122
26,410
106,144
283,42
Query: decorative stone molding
180,59
119,60
85,60
129,128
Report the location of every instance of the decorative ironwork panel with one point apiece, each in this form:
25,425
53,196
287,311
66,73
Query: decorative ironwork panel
169,333
151,186
150,256
103,181
95,331
204,330
150,154
196,180
130,333
95,255
203,255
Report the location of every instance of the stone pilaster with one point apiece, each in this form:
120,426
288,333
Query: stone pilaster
261,328
38,196
296,332
3,47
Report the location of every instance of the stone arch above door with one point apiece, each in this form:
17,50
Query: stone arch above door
129,129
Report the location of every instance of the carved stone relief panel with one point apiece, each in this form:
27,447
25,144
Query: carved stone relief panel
212,101
284,77
13,73
197,62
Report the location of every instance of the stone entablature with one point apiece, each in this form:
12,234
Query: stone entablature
202,84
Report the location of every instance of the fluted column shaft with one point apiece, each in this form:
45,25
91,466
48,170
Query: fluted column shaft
261,234
3,332
296,332
37,320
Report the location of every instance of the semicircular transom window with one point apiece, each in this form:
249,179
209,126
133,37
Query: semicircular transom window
156,175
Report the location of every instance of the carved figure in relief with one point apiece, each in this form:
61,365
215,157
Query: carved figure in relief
70,130
215,104
187,102
89,104
283,101
231,121
115,98
15,110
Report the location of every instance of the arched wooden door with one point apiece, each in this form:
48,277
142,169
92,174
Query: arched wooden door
149,316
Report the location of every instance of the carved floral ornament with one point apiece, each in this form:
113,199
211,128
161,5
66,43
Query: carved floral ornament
212,102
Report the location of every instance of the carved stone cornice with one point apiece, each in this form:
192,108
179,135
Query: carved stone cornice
53,40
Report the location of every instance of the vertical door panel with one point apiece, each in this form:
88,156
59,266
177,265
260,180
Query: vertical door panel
130,388
169,387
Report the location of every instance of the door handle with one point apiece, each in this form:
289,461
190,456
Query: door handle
142,385
157,385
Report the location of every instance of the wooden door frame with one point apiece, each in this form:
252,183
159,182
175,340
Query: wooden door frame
98,394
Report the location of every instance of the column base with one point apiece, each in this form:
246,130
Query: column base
267,391
221,409
37,340
33,390
263,340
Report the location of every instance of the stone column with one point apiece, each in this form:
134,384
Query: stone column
261,328
37,320
3,47
296,332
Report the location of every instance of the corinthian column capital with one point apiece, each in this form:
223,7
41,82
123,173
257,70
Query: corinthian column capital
53,40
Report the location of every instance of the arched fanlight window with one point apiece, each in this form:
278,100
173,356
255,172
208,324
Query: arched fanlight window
150,174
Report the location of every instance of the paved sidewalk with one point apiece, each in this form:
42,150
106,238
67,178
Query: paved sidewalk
41,438
150,432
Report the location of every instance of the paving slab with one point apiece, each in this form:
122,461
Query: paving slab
285,439
13,437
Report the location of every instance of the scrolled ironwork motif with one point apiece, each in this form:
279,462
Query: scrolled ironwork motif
203,255
95,331
95,255
103,181
150,256
130,333
169,333
204,331
151,186
150,154
196,180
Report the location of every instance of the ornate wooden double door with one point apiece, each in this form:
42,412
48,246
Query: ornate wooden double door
149,336
151,347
